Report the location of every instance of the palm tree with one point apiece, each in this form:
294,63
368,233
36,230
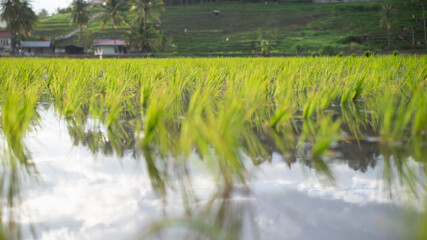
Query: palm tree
20,18
114,11
146,11
385,19
79,15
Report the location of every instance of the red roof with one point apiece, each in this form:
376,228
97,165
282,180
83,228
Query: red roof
3,33
110,43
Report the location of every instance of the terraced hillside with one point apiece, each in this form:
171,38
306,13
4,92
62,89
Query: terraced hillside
346,27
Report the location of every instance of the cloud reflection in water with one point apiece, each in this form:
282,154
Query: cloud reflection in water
86,197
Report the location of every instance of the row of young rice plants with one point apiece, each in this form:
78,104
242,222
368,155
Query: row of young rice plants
219,108
224,95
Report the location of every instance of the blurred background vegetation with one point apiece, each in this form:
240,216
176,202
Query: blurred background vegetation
249,27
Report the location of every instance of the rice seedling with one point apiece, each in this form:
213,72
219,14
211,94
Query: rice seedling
224,110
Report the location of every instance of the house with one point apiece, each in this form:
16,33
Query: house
32,48
5,41
60,50
74,49
106,47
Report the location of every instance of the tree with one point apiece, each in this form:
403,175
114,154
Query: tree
19,17
79,15
385,20
142,40
412,25
143,35
113,11
63,10
43,14
146,11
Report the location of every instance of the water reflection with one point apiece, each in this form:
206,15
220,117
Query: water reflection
19,115
174,204
284,182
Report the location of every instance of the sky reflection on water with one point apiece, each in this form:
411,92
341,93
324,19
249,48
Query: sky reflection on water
82,196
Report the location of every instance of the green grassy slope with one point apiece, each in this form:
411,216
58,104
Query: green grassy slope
348,27
54,26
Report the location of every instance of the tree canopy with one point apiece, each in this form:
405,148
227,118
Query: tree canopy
19,16
79,14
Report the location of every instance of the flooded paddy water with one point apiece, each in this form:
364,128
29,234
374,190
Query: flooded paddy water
298,148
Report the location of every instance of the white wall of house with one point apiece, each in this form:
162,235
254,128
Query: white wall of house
60,50
104,50
5,43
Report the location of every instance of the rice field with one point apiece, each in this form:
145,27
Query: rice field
224,117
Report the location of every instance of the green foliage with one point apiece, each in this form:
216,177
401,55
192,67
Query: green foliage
19,16
143,35
367,53
395,53
386,12
63,10
317,27
146,12
313,54
340,54
114,11
218,113
43,14
322,134
266,47
328,51
79,15
299,49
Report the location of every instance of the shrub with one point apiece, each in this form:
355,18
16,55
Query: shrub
298,49
266,47
395,53
353,55
340,54
313,54
327,51
368,53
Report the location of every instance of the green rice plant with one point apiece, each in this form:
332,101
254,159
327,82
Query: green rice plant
18,117
322,134
320,99
418,105
399,116
319,136
355,119
225,111
153,116
353,87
